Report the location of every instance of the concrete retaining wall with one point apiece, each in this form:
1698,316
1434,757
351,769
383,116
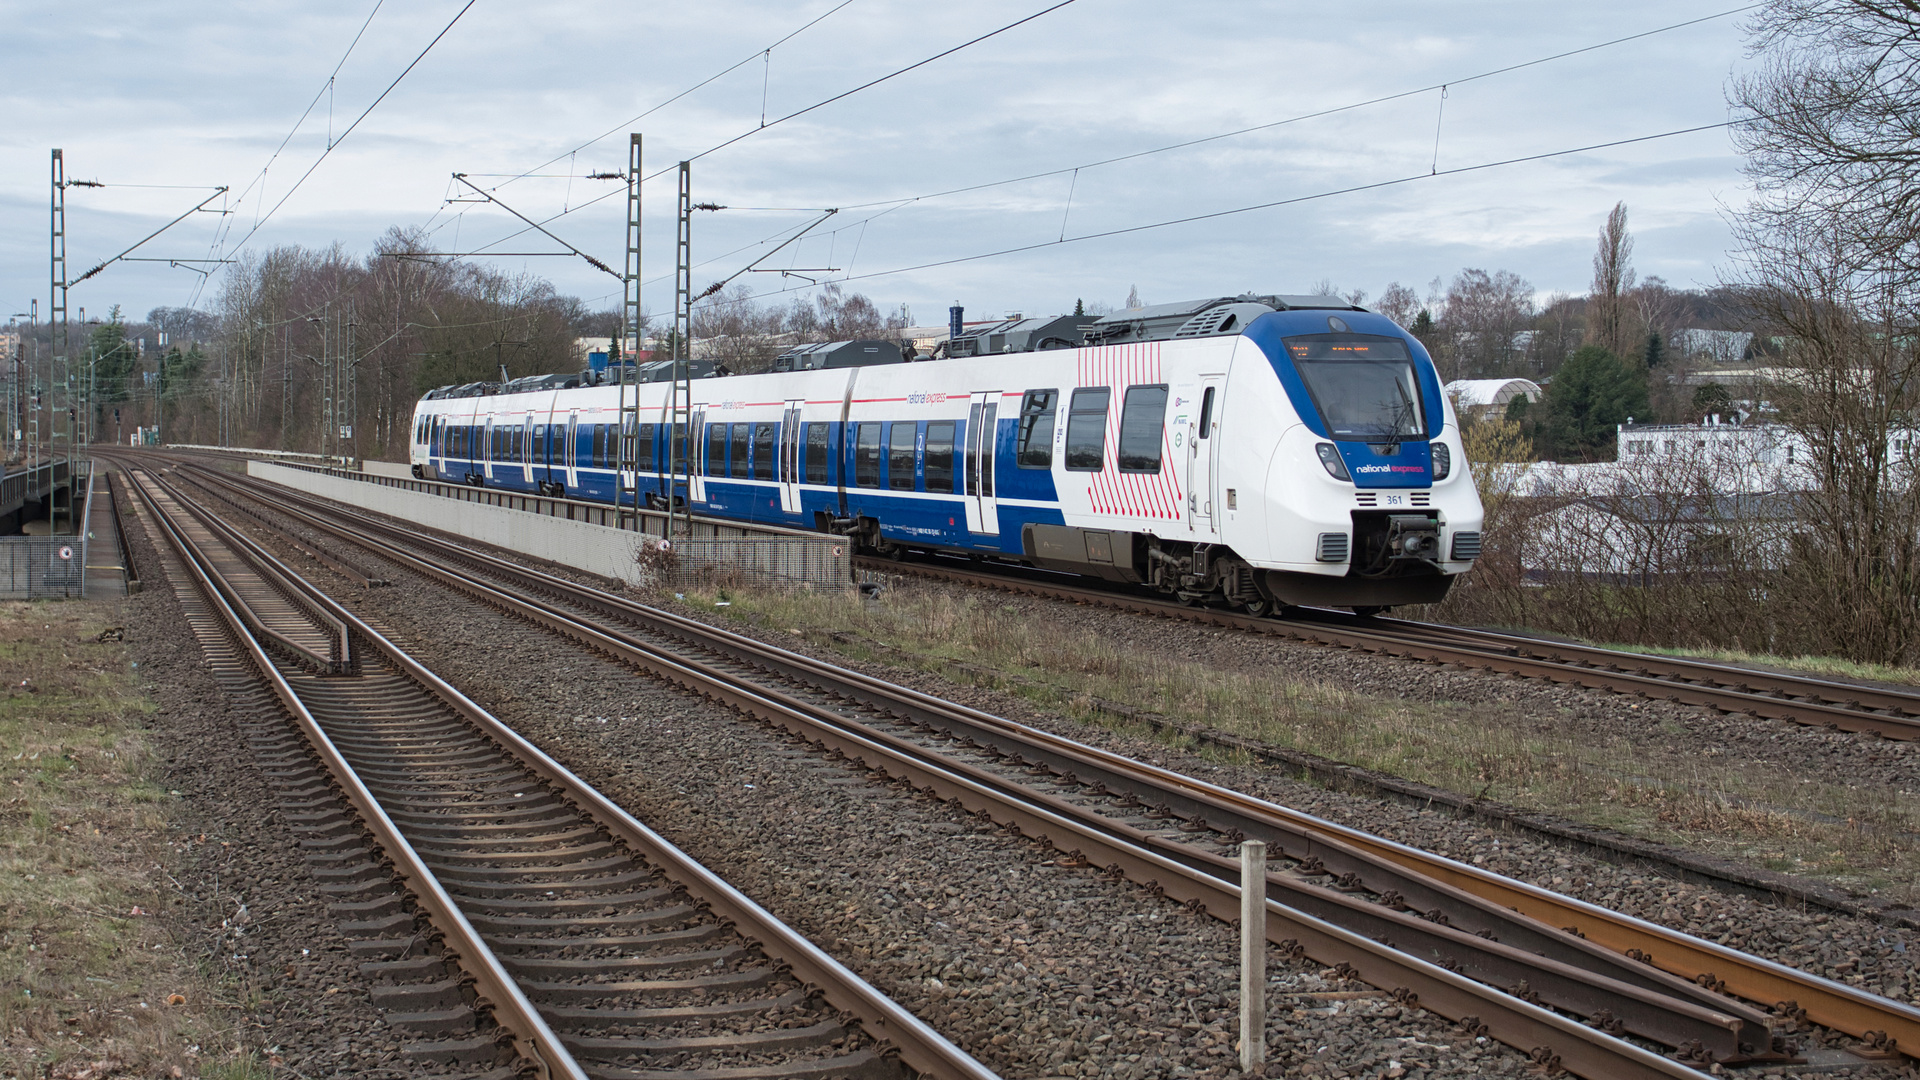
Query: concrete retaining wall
720,552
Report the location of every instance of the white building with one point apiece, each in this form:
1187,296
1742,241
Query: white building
1489,398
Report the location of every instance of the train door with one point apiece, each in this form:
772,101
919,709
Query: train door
1202,460
697,453
436,444
570,452
983,513
487,449
789,473
527,448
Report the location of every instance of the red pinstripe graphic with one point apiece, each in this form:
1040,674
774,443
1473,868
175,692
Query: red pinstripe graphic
1127,482
1170,464
1110,457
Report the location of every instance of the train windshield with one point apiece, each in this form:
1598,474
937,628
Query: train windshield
1365,387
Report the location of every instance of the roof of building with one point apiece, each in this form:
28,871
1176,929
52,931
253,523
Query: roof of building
1493,391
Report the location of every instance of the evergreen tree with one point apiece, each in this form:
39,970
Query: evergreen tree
1593,392
1656,350
112,356
1079,307
1711,398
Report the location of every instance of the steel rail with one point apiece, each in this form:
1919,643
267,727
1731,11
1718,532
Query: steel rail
987,793
1829,1003
533,1039
1563,973
1731,690
919,1045
340,656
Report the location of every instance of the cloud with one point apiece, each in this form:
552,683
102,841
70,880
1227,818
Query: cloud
204,93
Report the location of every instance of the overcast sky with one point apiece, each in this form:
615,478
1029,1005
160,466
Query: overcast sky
197,93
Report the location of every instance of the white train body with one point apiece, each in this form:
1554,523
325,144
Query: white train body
1264,452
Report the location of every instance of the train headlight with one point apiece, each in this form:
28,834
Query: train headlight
1330,458
1442,461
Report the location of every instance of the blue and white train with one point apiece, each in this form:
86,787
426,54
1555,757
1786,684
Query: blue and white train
1260,451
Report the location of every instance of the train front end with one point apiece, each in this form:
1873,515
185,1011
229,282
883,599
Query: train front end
1367,501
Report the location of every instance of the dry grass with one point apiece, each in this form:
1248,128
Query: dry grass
1831,666
95,984
1860,836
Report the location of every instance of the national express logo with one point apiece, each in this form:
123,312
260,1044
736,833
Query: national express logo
1391,469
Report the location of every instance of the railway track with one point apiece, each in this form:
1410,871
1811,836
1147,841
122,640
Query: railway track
531,910
1892,714
1454,937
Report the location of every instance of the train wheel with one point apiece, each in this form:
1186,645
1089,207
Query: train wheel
1257,608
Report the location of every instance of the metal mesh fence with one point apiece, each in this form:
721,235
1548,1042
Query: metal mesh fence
781,562
42,568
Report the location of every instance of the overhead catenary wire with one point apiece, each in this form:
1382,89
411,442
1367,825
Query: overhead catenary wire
901,202
226,226
1294,200
766,124
627,124
868,85
1314,115
334,143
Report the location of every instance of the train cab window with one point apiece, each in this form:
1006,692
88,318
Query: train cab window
644,462
716,449
866,456
1087,429
740,433
1034,449
1143,421
818,449
939,456
763,451
900,455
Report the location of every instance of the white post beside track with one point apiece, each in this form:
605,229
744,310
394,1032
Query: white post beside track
1253,956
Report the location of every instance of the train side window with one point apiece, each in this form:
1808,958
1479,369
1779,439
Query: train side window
597,444
1143,421
939,463
741,433
1087,429
716,449
866,456
1035,448
900,454
677,458
763,451
819,454
645,461
1206,413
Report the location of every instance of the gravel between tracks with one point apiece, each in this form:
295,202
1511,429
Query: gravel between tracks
249,907
803,839
1036,969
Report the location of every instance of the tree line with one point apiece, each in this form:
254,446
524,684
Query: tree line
1827,275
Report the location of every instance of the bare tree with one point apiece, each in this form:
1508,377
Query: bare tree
1609,317
1398,303
1832,125
1830,264
1485,315
1850,388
